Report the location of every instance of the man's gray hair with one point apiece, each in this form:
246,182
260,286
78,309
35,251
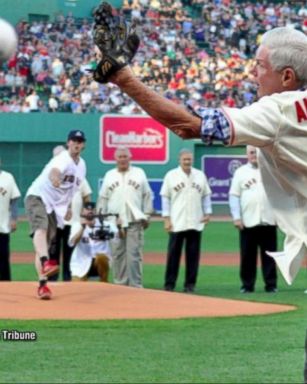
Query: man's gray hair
185,150
124,149
288,48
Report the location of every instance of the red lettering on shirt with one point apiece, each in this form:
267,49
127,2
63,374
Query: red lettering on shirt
300,112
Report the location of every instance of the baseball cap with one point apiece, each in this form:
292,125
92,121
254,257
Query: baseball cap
76,135
89,205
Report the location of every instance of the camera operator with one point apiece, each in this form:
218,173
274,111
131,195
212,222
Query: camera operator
91,238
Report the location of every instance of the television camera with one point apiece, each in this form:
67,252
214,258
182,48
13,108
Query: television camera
100,231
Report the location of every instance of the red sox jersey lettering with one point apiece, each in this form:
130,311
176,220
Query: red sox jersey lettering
133,184
69,179
196,186
250,182
113,186
301,110
179,186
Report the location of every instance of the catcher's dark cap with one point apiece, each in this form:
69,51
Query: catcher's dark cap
89,205
76,135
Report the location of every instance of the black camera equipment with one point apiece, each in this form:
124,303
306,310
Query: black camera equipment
101,231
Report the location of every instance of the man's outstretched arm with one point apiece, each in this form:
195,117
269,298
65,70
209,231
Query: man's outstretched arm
178,119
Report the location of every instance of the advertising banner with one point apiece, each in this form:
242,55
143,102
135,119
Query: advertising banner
219,170
146,139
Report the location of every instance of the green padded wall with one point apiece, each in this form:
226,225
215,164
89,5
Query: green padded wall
15,10
27,140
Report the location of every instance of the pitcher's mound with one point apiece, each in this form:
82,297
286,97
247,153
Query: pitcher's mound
96,301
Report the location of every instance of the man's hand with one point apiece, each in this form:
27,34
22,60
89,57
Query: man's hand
13,225
238,224
205,219
145,223
167,224
55,177
68,214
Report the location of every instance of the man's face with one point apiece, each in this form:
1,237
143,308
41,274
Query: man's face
186,161
123,160
88,213
252,155
268,80
75,146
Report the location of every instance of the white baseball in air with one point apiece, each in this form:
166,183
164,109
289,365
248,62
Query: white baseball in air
8,40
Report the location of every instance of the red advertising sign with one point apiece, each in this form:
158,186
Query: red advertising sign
146,138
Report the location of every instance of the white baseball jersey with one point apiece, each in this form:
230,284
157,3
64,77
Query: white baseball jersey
254,206
277,124
87,249
126,193
77,201
185,193
58,199
8,191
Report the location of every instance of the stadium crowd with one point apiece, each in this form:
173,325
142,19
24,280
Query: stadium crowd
196,51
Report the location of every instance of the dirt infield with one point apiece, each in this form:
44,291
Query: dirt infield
95,301
153,258
100,301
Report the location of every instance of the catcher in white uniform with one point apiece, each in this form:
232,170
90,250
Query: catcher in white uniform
186,208
48,204
9,196
125,191
277,123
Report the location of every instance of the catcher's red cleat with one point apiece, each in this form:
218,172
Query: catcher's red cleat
44,293
50,268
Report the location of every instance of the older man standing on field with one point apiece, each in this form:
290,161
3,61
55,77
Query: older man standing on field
253,217
186,208
9,197
126,192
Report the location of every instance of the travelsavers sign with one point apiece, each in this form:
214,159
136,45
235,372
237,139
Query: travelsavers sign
146,138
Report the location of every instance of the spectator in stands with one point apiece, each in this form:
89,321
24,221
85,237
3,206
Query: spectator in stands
57,53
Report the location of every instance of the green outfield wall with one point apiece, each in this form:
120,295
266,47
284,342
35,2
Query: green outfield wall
27,140
16,10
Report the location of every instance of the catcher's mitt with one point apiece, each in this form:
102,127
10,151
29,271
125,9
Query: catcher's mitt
116,39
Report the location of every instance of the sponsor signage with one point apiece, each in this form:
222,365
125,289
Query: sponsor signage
219,170
145,137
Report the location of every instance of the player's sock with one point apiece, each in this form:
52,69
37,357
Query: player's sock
43,259
42,283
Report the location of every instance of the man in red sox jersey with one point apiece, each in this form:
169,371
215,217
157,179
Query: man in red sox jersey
253,217
186,208
48,204
276,124
125,191
9,196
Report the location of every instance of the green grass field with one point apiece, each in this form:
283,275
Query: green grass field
255,349
217,237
